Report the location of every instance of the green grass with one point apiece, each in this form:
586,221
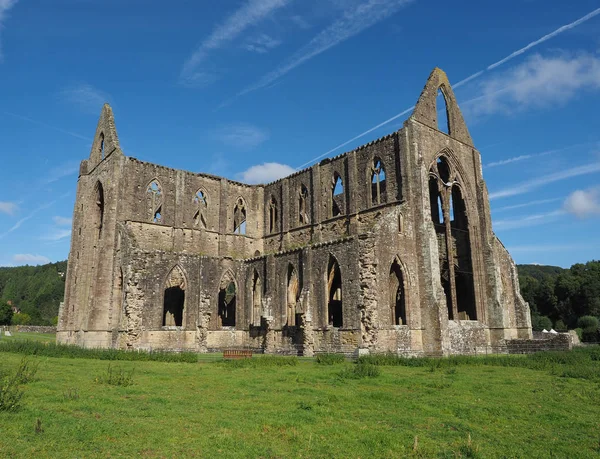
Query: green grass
268,409
23,336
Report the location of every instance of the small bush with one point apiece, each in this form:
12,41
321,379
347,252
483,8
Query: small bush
560,326
71,393
587,322
26,371
116,376
329,359
262,361
359,371
539,323
10,393
579,332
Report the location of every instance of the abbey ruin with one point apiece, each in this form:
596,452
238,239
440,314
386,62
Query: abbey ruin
387,248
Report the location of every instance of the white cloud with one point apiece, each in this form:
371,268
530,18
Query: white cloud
250,14
86,97
5,5
28,258
57,235
527,204
63,170
353,21
62,221
539,82
17,225
583,203
527,186
265,173
242,136
261,44
551,248
529,220
8,207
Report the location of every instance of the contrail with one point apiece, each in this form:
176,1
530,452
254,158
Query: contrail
467,79
48,126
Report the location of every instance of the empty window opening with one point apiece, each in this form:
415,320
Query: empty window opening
157,216
463,267
442,112
443,170
447,292
99,209
303,206
334,294
378,184
199,220
174,298
101,146
239,217
173,307
227,304
397,297
272,215
451,210
154,197
200,198
435,201
256,298
400,223
293,293
337,196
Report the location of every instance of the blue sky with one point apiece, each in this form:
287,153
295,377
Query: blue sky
252,89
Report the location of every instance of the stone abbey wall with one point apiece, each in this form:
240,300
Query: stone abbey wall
387,248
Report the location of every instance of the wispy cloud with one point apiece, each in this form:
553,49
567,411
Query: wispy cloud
28,258
539,82
62,221
5,5
86,97
514,159
552,247
265,173
529,220
63,170
18,224
249,14
242,136
529,185
583,203
537,202
466,80
8,207
261,43
57,234
353,21
47,126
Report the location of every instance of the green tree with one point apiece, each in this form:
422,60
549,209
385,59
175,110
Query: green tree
21,318
6,313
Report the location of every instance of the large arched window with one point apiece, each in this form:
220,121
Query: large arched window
273,215
449,215
239,217
200,202
293,294
378,183
227,301
338,202
154,200
303,218
174,298
256,298
99,207
397,295
335,315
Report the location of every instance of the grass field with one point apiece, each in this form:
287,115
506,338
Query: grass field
253,409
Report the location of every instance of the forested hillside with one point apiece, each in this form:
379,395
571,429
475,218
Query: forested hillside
563,298
35,290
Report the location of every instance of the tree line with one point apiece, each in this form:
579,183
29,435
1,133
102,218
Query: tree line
563,299
35,292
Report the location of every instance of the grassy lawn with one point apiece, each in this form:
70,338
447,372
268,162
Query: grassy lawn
41,337
211,409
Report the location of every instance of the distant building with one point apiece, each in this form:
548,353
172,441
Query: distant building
387,248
